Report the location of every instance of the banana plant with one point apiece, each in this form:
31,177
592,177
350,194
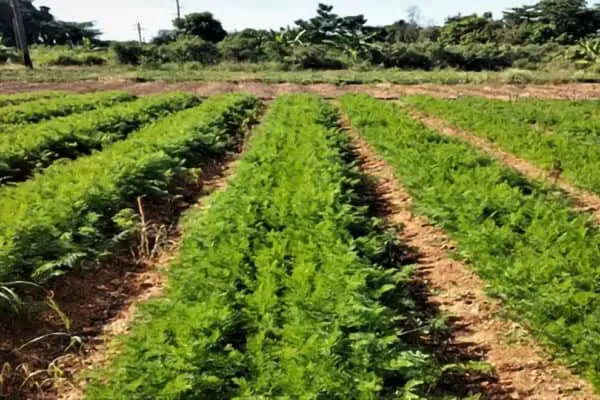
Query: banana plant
282,38
589,50
354,43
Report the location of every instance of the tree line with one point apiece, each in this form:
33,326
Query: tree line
41,27
526,34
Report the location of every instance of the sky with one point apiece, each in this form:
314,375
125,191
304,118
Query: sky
117,19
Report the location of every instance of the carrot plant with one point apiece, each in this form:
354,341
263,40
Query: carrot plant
74,210
39,110
535,252
13,99
283,288
545,132
36,146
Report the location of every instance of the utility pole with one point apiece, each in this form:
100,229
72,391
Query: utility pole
20,35
178,9
139,29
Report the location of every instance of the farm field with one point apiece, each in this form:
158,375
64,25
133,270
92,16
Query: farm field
158,244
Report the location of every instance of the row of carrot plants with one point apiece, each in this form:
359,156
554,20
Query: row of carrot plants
13,99
283,287
74,210
38,145
544,132
579,120
35,111
537,254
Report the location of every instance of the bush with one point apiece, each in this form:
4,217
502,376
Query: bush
65,61
315,57
476,57
8,54
244,46
518,76
93,60
128,53
186,49
407,56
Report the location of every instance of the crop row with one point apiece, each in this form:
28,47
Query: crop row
35,111
558,141
35,146
538,255
576,119
283,288
74,208
13,99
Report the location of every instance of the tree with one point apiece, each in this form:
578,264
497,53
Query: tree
402,32
563,21
470,29
42,27
246,46
202,25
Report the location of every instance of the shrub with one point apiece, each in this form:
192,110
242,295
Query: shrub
128,53
244,46
407,56
188,48
65,61
315,57
8,54
93,60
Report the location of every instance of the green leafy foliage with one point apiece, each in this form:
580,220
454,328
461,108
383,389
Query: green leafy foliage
535,252
14,99
283,288
35,111
34,146
58,218
545,132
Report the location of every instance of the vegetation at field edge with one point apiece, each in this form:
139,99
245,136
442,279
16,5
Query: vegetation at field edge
32,147
537,254
552,134
284,288
80,210
190,72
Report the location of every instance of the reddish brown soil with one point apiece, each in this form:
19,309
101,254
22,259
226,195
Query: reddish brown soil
100,303
522,369
269,91
584,200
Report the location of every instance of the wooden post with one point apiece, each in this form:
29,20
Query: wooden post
178,10
20,33
139,29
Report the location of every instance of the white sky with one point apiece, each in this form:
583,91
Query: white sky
117,18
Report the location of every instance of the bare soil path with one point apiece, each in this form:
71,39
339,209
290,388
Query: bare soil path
522,369
269,91
583,200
